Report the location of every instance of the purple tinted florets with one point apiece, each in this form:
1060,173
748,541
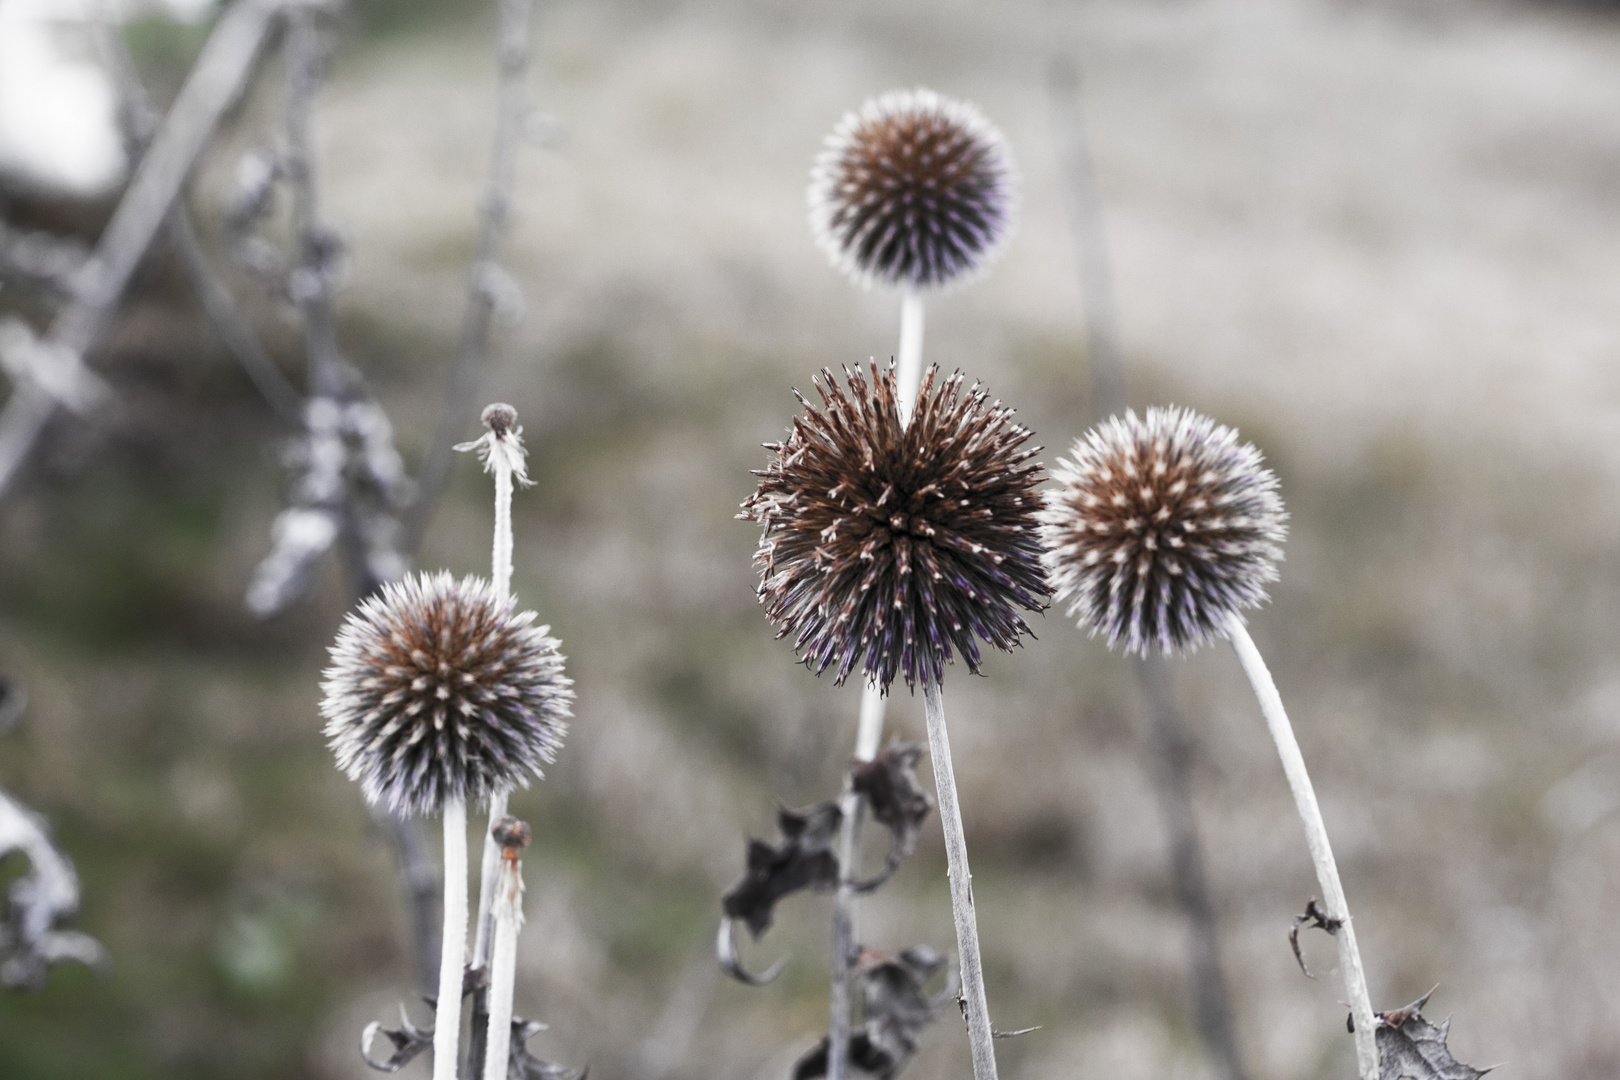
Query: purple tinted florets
912,190
892,547
439,690
1161,528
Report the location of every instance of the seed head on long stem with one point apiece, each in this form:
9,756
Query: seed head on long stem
440,690
896,547
913,189
1160,528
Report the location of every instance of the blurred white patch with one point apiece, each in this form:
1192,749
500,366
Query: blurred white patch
58,106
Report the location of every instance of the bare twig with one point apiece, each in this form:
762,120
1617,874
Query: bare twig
140,124
1167,745
1096,276
488,285
224,63
1170,755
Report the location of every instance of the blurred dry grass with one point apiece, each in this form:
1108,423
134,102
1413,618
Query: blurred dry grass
1378,238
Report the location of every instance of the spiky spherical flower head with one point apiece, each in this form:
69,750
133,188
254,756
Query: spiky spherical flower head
439,690
1162,528
913,189
892,546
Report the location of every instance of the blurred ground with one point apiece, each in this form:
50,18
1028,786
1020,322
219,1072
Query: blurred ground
1377,237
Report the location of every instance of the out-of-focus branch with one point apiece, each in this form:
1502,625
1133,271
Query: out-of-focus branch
140,124
1167,743
489,287
215,79
29,940
1096,276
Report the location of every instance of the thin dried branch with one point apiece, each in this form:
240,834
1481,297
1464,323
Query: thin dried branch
212,85
409,1042
140,120
492,294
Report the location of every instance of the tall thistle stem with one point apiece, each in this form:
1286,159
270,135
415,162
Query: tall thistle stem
975,1008
453,954
1316,838
868,735
502,450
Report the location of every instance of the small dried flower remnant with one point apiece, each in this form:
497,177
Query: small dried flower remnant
439,690
893,547
913,189
1161,529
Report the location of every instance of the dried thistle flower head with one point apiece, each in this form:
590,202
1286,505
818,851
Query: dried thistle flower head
912,189
893,546
1161,528
501,443
439,690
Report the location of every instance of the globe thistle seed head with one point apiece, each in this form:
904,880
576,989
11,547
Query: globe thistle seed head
440,690
913,189
894,547
1161,528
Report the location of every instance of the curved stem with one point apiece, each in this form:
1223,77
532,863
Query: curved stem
976,1011
1316,838
453,953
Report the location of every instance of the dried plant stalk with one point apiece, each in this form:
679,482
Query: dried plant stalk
975,1009
1316,838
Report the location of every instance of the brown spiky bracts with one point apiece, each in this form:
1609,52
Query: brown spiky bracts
440,690
892,547
913,189
1160,528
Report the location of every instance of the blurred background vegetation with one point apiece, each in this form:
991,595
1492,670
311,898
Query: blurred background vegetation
1380,238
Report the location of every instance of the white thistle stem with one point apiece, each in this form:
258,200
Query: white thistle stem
868,735
489,870
503,967
1316,838
909,362
974,1006
452,958
501,577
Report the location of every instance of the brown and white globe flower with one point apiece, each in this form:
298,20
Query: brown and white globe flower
895,548
440,690
1161,528
914,190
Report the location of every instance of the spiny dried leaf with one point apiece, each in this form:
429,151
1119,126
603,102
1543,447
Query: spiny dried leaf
896,1009
1314,918
802,859
411,1041
889,785
1411,1048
